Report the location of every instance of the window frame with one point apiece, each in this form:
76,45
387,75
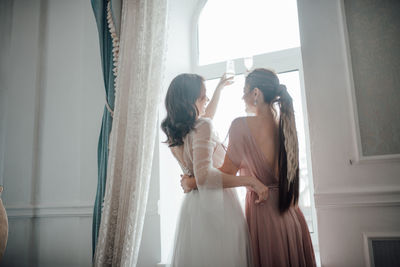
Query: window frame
281,61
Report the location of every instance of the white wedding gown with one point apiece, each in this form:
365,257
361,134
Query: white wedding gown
211,229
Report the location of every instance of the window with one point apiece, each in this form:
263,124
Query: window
268,32
234,29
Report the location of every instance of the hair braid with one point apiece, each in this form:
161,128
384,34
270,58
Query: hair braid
290,133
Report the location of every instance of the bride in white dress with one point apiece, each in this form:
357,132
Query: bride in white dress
211,229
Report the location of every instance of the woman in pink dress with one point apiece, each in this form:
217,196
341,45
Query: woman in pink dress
266,146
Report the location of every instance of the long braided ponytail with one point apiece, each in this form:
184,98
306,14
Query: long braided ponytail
274,92
288,152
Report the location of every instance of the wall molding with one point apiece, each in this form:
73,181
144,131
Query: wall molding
45,211
359,157
329,200
376,159
367,239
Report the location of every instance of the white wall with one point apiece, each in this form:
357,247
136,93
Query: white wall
5,34
54,101
350,199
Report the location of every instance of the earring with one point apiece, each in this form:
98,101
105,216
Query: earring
255,102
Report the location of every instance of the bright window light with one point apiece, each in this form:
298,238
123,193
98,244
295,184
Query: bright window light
231,29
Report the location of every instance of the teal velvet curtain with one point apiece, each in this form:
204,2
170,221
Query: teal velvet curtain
100,13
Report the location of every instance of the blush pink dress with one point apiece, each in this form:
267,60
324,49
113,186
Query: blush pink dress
277,239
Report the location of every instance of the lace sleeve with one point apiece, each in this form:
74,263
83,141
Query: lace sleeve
203,148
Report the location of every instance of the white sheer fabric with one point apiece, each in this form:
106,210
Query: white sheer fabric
199,150
211,229
140,70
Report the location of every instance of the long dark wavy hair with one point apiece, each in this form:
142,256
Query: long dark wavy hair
275,93
180,103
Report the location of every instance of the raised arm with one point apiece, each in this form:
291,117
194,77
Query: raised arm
212,106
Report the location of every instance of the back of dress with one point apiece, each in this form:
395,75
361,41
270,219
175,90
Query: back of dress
246,154
278,239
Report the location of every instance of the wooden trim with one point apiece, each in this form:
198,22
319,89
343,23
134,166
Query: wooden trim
357,199
367,239
359,157
40,211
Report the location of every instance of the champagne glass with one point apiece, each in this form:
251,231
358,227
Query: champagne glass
230,68
248,63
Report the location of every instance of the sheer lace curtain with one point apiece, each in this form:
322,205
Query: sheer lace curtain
140,74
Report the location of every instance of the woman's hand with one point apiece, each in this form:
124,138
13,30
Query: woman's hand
224,82
188,183
212,106
260,189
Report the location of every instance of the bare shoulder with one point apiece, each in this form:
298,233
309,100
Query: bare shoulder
252,119
238,122
237,128
259,123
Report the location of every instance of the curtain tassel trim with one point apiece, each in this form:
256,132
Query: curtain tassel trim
115,50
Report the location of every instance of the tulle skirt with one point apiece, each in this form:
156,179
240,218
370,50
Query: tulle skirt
208,236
